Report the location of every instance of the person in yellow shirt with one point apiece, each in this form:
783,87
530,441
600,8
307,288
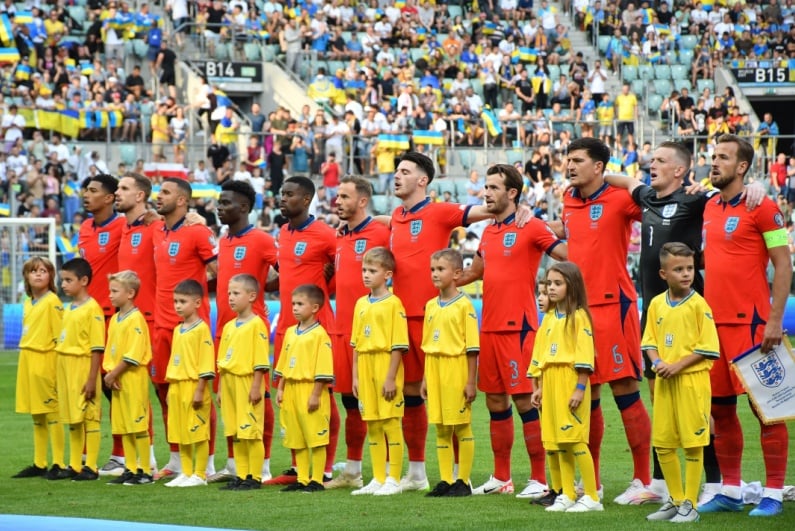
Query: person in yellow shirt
226,132
160,132
626,104
54,27
385,165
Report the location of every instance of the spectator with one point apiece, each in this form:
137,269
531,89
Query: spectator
596,80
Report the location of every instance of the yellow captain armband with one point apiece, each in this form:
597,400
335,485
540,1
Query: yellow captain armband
775,238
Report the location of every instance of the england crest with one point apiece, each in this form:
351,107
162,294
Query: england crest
103,238
769,370
240,252
595,212
360,246
416,227
300,248
731,224
135,239
509,239
173,249
669,210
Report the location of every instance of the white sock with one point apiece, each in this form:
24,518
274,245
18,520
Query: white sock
776,494
152,458
417,469
174,463
266,468
230,465
353,468
117,458
210,466
658,486
455,471
732,491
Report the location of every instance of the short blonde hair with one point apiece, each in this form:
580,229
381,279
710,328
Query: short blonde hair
382,257
128,279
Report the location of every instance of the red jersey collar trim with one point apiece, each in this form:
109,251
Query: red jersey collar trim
357,228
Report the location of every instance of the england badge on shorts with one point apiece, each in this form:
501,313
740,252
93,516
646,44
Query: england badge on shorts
416,227
103,238
360,246
240,253
731,224
300,248
595,212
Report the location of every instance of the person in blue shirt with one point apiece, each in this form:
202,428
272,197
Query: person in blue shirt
767,135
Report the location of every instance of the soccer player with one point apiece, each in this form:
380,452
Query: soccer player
98,239
380,338
80,347
359,234
420,227
243,249
563,360
191,365
681,342
305,370
36,392
597,219
306,256
128,352
181,252
243,367
508,330
451,345
738,245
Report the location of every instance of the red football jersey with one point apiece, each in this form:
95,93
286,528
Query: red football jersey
510,258
252,252
303,253
351,248
736,257
99,245
598,229
136,253
181,253
417,233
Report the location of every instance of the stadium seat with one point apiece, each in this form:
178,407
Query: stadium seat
128,154
222,51
646,72
630,73
477,86
662,72
394,202
380,205
271,51
688,42
639,88
603,42
564,69
446,185
679,84
455,11
654,104
417,54
554,72
701,84
466,158
662,87
686,57
461,189
346,36
78,14
514,155
140,48
252,51
333,66
679,72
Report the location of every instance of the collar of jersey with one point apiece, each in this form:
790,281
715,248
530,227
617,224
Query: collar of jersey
734,201
674,304
107,221
123,316
176,226
559,315
299,332
576,192
451,301
373,300
183,330
416,208
240,233
507,221
138,222
357,228
303,225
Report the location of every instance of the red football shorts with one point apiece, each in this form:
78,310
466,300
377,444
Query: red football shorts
414,359
503,362
734,340
161,354
343,364
617,342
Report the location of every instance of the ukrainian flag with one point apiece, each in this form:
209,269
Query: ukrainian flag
393,141
205,191
70,188
67,246
5,210
428,138
261,163
221,99
400,4
70,123
86,69
23,72
664,30
614,165
23,17
708,5
71,64
264,35
115,118
9,55
648,15
6,32
491,122
528,55
489,28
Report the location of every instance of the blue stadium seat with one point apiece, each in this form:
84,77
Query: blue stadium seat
646,72
78,14
554,72
564,69
380,205
128,154
701,84
639,88
654,104
662,72
688,42
140,48
679,84
686,57
630,73
455,11
603,42
514,155
467,158
461,189
679,72
252,51
662,87
446,185
394,202
417,54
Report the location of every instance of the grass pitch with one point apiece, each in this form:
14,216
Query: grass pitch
271,509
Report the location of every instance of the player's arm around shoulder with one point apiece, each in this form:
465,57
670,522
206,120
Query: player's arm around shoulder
623,181
473,272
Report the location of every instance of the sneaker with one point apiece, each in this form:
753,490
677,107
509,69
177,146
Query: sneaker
562,504
232,484
86,474
533,490
658,487
56,472
250,484
140,479
708,491
125,476
722,504
767,507
788,494
112,468
294,487
194,481
458,489
177,481
579,490
166,473
585,504
666,512
494,486
222,475
390,488
687,513
547,499
31,471
408,483
440,489
345,480
637,494
313,486
285,478
370,488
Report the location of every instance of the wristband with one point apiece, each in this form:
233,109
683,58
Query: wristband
656,362
580,387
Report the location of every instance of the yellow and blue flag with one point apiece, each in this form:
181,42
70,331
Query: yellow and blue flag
528,55
393,141
23,17
9,55
6,32
428,138
5,210
490,120
67,246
